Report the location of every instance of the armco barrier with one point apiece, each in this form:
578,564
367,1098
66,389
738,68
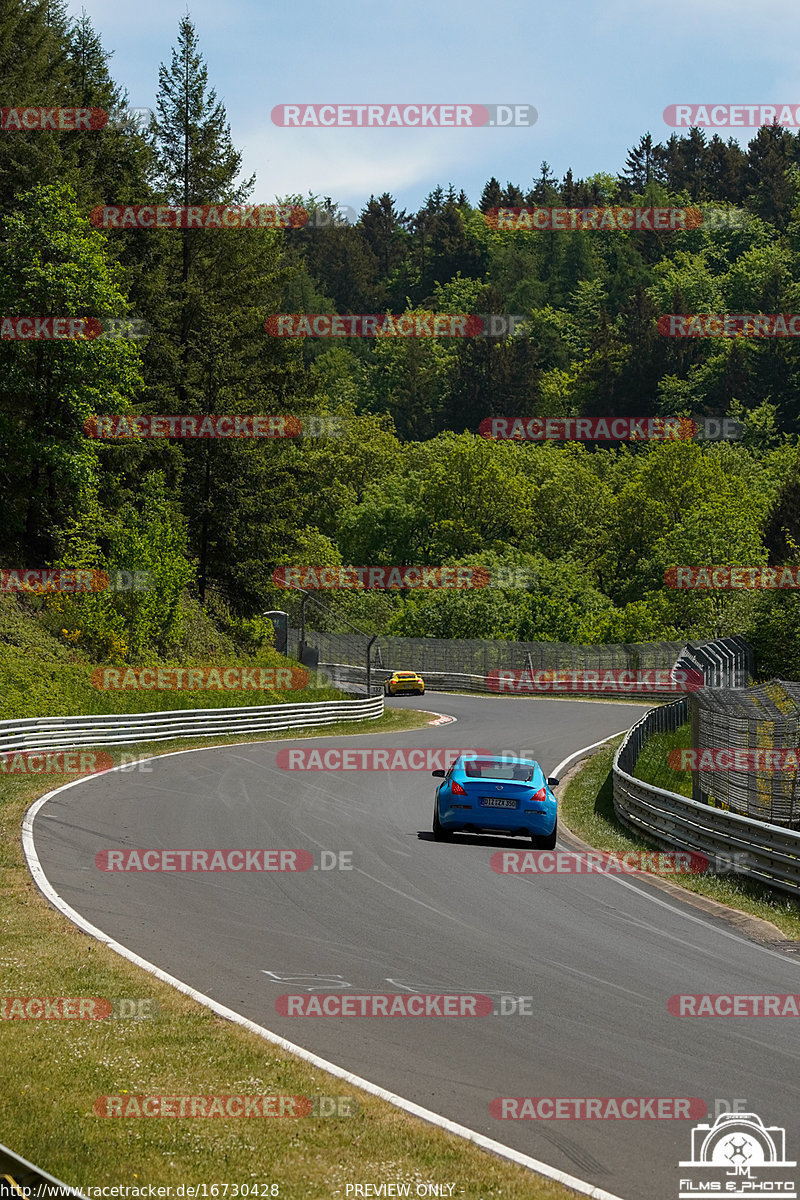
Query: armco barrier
343,675
67,733
772,852
20,1178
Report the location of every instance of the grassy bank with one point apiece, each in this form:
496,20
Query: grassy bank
653,767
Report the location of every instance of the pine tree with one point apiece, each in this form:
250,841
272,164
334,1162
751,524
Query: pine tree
383,230
34,71
512,196
196,162
771,175
644,165
218,286
491,196
545,188
112,163
569,191
726,162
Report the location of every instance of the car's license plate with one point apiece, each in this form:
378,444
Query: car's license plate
497,802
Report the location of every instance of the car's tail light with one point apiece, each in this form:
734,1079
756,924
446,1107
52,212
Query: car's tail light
457,789
540,796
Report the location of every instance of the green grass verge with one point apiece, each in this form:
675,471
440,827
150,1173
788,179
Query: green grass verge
65,688
652,765
42,675
588,810
56,1069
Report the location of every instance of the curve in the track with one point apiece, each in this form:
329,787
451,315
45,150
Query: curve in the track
599,955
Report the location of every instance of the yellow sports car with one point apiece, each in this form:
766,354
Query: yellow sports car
404,681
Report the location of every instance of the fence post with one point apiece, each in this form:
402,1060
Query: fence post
372,641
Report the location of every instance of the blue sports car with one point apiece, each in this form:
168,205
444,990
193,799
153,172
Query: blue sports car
496,794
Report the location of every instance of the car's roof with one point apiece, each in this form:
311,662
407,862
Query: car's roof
498,758
410,674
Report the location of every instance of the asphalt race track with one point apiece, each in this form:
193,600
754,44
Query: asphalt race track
600,956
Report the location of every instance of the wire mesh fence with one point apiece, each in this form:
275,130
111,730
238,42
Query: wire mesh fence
664,719
763,718
725,661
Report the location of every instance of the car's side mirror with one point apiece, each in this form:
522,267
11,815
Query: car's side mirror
551,781
438,774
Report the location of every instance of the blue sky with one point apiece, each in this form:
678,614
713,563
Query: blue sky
599,73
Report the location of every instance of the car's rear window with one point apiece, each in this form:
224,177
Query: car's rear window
405,675
477,768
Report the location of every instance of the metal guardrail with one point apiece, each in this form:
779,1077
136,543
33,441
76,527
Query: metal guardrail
20,1178
66,733
770,853
343,675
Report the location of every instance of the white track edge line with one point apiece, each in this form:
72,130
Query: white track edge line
593,746
676,904
425,1114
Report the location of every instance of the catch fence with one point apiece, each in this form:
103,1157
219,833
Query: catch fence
765,718
725,662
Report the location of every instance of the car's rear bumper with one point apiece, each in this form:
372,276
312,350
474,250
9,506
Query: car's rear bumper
488,820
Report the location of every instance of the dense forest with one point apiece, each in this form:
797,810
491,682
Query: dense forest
583,532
